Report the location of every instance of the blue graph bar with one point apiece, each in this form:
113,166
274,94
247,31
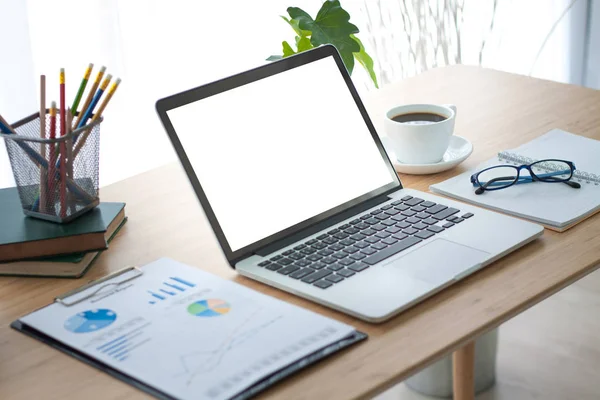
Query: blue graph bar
158,296
152,302
175,286
182,281
123,358
118,350
167,292
111,342
110,348
121,354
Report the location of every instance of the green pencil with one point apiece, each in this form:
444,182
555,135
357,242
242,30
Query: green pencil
86,77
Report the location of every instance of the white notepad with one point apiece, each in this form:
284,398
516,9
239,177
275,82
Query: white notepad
555,205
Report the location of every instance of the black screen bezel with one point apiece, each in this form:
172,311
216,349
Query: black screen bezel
232,82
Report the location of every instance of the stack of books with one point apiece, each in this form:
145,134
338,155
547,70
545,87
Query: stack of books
33,247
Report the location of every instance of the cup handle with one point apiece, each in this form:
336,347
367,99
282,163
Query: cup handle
452,107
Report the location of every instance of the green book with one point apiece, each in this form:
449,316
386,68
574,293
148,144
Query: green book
23,237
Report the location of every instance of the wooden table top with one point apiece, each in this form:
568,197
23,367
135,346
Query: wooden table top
496,111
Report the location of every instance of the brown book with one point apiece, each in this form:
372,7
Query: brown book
73,265
24,237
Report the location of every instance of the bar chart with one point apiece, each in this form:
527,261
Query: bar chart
171,287
121,347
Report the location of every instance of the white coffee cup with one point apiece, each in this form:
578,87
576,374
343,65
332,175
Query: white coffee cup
420,141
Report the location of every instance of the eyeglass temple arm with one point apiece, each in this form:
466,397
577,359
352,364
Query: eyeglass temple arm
491,182
574,185
522,179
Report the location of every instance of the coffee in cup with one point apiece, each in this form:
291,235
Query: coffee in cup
420,133
418,118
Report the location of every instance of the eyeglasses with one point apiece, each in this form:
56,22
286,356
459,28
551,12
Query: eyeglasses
503,176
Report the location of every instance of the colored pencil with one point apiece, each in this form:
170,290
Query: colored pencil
69,157
97,115
84,81
52,160
109,96
43,171
63,106
90,95
95,100
63,149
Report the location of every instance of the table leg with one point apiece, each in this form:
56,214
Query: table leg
463,369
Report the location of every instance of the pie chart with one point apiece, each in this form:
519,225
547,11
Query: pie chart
90,320
209,308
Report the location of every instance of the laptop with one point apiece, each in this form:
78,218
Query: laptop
302,196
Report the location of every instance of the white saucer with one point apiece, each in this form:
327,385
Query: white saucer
458,151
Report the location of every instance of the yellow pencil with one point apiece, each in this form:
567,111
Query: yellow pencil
97,116
91,94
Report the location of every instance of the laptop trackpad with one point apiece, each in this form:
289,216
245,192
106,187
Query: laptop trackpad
439,261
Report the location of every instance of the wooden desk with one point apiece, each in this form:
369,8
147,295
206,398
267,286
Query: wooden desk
495,111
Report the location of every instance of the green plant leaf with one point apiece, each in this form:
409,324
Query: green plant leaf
331,26
274,58
287,49
294,24
365,60
303,44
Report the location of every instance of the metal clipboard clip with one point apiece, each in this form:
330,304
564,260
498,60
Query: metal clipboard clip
98,286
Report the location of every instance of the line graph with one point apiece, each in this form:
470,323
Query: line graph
219,388
196,363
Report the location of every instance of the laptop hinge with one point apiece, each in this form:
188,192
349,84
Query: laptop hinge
311,230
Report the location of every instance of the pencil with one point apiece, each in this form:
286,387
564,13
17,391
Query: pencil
97,116
109,96
43,171
90,95
52,159
84,81
95,100
69,158
63,149
63,119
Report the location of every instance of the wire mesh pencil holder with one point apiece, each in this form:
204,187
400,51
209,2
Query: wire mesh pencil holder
57,179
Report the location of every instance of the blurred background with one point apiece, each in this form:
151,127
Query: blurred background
161,47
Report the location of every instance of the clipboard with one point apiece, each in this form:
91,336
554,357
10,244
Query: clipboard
110,283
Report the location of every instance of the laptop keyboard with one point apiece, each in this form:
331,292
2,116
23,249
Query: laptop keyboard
353,247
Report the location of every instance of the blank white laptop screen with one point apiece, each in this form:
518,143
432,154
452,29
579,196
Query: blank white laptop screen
280,150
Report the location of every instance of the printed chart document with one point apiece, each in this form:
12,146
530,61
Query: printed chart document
186,333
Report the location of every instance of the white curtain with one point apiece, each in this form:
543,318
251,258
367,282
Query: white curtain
160,47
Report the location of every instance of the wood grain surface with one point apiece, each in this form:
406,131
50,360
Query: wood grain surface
496,111
463,372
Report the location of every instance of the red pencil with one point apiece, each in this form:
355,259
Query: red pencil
52,160
63,147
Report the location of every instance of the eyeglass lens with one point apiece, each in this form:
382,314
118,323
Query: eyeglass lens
551,170
498,177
